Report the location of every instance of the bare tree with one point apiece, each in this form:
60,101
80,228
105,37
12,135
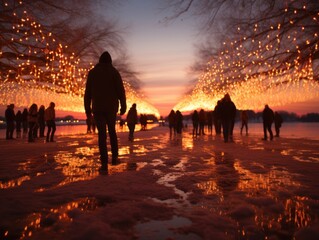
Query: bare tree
52,43
250,37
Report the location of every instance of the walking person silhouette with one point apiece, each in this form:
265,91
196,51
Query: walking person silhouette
104,90
132,120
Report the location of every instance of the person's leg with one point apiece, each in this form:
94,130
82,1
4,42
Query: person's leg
100,120
53,130
130,136
132,131
11,129
278,131
225,130
49,131
270,132
111,121
30,134
8,131
265,131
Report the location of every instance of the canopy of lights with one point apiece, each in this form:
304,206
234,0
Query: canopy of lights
275,68
35,68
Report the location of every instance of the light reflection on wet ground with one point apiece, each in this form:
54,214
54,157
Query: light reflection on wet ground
220,183
58,218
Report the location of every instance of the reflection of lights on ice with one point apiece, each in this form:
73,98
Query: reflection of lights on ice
23,96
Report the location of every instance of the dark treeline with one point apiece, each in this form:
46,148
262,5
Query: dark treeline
287,116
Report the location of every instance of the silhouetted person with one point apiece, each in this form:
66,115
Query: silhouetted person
210,119
18,119
179,122
32,121
244,121
132,120
49,116
228,114
25,122
195,120
143,121
218,118
41,121
202,121
104,90
278,122
172,123
268,119
10,117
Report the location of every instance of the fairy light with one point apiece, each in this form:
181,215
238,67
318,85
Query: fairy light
261,78
60,77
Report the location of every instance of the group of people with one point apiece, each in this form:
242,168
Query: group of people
31,121
223,119
104,96
199,120
270,117
175,122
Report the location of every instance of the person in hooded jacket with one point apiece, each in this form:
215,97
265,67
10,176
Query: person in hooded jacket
10,117
41,120
172,123
195,120
25,114
132,120
49,116
278,121
32,121
103,93
268,119
228,114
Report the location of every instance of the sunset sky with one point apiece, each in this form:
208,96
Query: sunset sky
162,54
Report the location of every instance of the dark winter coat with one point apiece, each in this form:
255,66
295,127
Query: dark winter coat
104,89
228,110
268,115
132,117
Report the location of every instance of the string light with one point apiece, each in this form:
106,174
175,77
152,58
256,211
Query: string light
252,74
60,78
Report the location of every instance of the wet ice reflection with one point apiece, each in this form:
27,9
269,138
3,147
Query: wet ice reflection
58,217
270,196
188,143
14,183
76,166
167,229
137,149
80,165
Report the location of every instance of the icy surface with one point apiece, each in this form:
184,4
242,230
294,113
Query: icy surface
165,188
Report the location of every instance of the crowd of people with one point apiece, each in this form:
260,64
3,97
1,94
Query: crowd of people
222,120
105,96
31,123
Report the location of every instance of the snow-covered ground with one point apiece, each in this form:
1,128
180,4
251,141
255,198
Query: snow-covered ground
166,187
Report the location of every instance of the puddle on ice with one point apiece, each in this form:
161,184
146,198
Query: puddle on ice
166,229
14,183
304,155
166,180
80,165
48,218
275,208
